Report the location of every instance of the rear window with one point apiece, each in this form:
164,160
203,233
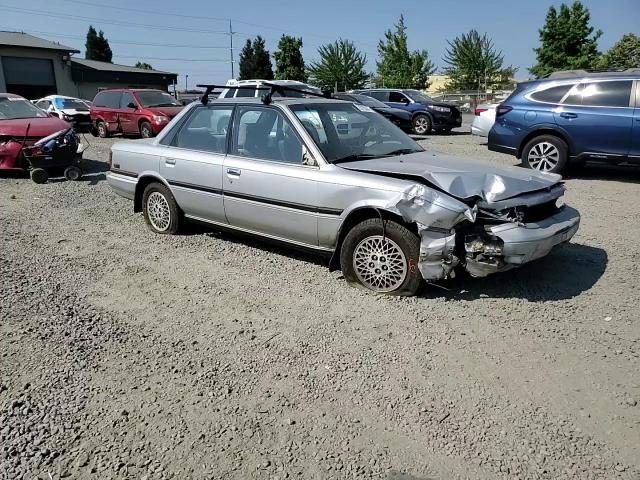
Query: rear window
553,94
601,94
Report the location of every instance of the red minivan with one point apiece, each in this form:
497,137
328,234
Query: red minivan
132,111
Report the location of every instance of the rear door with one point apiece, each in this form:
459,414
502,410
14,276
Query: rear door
106,107
128,115
598,116
267,189
192,162
634,153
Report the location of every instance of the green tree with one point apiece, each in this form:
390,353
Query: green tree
341,66
289,61
397,66
624,54
255,61
474,63
97,46
568,41
143,65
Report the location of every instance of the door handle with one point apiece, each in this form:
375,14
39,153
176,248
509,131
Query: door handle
170,161
234,172
568,115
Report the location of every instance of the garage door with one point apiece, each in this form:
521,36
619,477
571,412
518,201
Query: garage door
30,77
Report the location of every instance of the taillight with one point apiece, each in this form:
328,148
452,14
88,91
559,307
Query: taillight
503,109
110,161
478,111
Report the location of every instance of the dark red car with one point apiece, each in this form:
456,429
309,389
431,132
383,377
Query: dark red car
129,111
21,125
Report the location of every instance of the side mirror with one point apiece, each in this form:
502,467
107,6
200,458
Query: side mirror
132,105
307,158
404,100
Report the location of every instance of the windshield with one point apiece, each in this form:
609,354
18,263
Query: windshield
418,96
349,132
70,103
157,99
12,108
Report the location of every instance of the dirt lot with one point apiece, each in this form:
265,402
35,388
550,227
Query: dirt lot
132,355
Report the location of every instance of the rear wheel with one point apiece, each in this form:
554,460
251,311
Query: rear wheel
382,261
546,153
422,124
39,175
160,209
145,130
72,173
103,132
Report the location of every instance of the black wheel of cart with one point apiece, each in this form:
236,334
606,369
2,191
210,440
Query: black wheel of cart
39,175
72,173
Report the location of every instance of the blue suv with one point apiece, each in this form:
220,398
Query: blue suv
426,114
570,117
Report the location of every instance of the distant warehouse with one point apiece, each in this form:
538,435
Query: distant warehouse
34,67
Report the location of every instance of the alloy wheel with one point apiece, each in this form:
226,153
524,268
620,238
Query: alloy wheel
379,264
421,125
158,211
543,156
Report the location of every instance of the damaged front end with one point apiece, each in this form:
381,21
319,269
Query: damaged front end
482,236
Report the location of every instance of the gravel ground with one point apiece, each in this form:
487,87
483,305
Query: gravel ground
132,355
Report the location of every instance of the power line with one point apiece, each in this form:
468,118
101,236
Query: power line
144,57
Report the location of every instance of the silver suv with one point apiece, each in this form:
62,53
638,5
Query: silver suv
340,179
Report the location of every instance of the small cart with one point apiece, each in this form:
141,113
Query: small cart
57,151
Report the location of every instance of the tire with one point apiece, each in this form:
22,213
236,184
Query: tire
160,209
72,173
546,153
421,124
103,131
367,235
145,130
39,175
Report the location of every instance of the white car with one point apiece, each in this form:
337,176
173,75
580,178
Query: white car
244,91
485,116
70,109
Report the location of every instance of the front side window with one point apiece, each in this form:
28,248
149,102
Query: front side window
265,133
12,108
418,96
126,99
601,94
553,94
383,96
397,97
205,130
349,132
156,98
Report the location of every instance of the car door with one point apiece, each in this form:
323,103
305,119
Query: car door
267,188
192,160
634,152
128,115
399,100
598,117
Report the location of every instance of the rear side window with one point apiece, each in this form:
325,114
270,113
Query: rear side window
205,130
552,95
107,99
246,92
601,94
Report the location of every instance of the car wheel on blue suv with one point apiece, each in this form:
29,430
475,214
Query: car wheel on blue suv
546,153
422,124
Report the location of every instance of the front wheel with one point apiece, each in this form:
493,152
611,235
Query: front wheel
382,260
546,153
145,130
422,124
160,209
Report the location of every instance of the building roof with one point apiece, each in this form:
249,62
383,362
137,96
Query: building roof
21,39
114,67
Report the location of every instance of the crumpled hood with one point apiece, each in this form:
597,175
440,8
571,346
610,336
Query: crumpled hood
462,179
40,126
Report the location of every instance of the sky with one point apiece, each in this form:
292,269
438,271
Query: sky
190,37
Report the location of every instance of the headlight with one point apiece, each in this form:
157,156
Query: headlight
440,109
160,119
66,117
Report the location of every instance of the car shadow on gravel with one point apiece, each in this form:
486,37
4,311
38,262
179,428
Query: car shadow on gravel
619,173
93,172
565,273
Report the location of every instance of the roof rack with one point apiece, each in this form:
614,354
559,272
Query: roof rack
589,73
269,87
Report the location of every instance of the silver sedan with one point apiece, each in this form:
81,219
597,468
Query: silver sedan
339,179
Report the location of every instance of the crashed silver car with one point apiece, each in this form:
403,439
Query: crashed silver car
338,178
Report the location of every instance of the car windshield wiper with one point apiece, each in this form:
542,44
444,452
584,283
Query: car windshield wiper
401,151
355,158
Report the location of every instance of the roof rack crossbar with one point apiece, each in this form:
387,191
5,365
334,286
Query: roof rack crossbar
269,87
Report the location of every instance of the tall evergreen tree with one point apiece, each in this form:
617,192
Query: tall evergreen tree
289,61
474,63
341,67
397,66
255,61
97,46
143,65
624,54
568,41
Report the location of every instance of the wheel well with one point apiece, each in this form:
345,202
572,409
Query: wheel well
141,185
539,133
359,215
422,112
143,120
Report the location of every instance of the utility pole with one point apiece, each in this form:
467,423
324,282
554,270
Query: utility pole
186,83
231,34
